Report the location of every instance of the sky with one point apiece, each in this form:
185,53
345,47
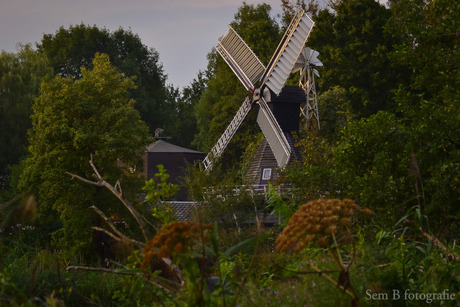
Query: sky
183,32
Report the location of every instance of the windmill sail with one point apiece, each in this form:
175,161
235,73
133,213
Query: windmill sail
308,57
225,138
240,58
274,134
251,72
285,56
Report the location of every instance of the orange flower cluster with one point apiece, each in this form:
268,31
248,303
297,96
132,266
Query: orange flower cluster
317,221
173,239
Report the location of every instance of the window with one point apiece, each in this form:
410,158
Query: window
266,174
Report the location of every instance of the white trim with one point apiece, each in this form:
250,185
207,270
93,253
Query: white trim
266,174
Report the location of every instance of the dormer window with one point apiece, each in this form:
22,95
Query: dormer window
266,174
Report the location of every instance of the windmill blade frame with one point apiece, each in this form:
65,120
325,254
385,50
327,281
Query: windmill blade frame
273,133
240,58
287,52
229,132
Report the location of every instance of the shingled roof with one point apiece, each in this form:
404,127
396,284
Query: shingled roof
162,146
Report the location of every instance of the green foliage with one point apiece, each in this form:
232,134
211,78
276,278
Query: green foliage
354,50
225,200
183,126
158,192
158,189
281,205
73,120
315,177
10,294
403,162
412,259
70,49
429,100
20,78
334,113
34,277
373,160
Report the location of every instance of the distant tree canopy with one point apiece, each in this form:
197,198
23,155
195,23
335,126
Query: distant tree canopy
397,71
20,78
354,49
183,126
73,119
429,100
68,50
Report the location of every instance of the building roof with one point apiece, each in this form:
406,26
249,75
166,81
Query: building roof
162,146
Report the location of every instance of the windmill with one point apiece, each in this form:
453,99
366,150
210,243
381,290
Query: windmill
266,85
306,63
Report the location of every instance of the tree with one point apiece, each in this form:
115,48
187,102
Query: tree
354,49
70,49
290,8
20,78
72,120
406,157
183,127
224,93
334,112
429,101
372,161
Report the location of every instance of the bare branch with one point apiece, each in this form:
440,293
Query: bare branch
96,172
176,270
124,239
118,188
93,269
107,233
102,183
110,261
107,220
119,272
436,242
83,179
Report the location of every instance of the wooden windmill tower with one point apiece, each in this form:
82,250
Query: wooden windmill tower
278,104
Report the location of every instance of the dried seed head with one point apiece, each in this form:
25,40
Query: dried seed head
367,211
316,222
345,222
332,229
176,238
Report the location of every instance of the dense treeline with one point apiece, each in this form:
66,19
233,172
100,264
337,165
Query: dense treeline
389,104
65,53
